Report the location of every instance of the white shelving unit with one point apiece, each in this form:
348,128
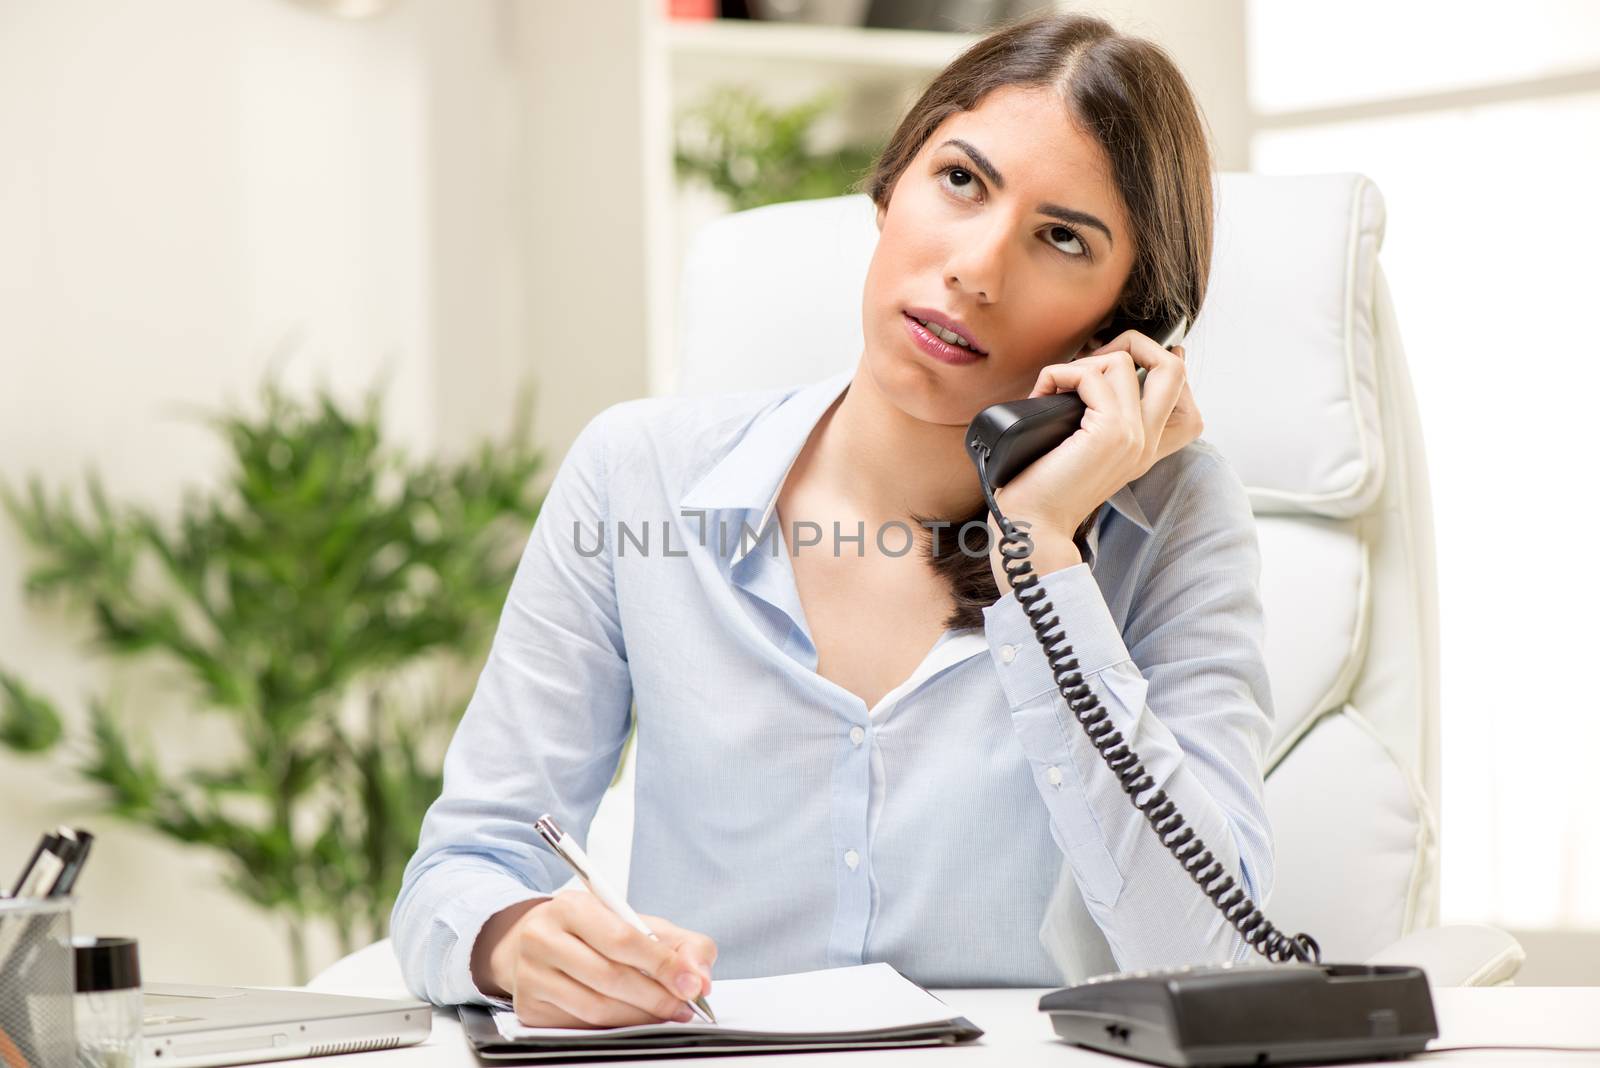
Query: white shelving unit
878,73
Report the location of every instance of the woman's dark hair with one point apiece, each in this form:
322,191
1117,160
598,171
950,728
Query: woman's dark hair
1130,98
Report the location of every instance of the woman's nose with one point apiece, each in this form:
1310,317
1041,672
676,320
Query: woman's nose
977,262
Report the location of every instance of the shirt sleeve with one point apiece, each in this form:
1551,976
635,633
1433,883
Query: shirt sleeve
542,732
1188,691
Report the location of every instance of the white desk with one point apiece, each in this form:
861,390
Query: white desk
1016,1033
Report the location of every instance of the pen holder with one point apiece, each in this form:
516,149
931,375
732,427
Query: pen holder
36,989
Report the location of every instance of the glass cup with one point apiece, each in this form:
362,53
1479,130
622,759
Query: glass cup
109,1004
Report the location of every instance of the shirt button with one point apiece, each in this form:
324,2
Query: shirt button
1053,774
857,735
851,859
1008,653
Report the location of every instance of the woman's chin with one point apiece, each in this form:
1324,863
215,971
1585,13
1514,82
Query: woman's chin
925,395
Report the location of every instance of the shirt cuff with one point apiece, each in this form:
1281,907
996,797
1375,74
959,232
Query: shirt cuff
1083,618
465,918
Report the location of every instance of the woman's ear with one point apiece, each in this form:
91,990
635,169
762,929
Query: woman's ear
1100,335
881,213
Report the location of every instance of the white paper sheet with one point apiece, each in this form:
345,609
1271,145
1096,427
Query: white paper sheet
863,997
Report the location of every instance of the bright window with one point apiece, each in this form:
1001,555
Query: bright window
1314,55
1490,251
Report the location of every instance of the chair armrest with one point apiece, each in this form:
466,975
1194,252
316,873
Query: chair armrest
369,968
1463,954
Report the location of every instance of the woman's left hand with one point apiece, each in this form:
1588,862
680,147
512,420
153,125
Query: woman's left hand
1122,436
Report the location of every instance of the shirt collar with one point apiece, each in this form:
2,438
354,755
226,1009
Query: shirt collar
752,473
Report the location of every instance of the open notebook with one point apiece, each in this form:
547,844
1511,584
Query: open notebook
862,1006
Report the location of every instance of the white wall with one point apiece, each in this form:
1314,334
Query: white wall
191,191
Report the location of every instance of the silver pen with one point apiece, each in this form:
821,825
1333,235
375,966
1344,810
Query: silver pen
568,850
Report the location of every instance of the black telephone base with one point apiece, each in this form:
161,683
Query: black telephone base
1250,1014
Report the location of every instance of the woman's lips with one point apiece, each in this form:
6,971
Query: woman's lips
936,347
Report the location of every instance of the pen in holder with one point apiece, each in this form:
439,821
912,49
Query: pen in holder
36,988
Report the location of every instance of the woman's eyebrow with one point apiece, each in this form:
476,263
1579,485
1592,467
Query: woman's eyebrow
1055,211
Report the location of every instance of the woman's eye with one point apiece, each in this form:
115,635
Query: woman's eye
1056,233
953,170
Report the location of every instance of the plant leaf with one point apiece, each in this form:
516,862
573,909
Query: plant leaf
29,723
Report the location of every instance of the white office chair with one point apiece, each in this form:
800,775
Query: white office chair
1296,364
1297,367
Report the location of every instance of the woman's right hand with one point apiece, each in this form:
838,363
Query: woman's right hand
568,961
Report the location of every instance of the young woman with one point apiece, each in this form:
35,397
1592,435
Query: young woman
848,751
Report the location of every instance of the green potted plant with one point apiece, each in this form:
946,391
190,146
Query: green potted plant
331,600
754,153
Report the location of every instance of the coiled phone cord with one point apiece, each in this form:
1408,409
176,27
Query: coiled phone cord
1016,545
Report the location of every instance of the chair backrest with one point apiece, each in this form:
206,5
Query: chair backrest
1296,364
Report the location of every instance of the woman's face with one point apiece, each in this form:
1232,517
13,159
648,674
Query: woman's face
984,249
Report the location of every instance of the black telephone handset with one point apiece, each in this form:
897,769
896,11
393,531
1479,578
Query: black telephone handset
1013,434
1294,1009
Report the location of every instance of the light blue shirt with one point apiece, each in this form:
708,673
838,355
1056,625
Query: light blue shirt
952,830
